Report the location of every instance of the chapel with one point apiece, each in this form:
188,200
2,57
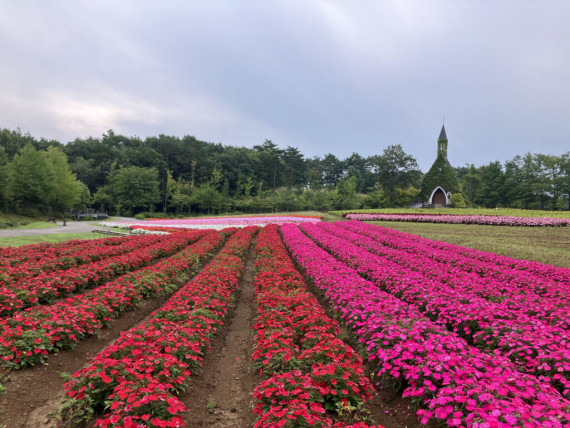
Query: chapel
441,181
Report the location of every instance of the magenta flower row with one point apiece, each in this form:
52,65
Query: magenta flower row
460,256
536,344
449,380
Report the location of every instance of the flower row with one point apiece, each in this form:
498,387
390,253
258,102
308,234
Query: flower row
136,379
534,345
28,337
449,379
492,220
460,256
31,260
312,374
47,287
538,296
545,280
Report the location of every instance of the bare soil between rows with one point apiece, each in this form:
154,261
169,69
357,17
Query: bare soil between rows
219,396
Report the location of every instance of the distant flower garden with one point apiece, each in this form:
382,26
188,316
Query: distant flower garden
217,223
462,219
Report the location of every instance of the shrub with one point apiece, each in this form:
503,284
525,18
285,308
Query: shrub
457,201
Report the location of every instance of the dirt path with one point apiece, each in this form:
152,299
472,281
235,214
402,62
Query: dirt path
220,396
71,227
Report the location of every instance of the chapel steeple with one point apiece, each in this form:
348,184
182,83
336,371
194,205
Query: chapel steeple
440,182
442,143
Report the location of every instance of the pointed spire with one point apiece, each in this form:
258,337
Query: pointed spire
442,134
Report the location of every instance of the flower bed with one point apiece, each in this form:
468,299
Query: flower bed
481,273
47,287
491,220
508,327
137,378
28,337
311,373
28,261
493,264
449,380
216,222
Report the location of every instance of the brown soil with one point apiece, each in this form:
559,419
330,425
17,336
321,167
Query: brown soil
218,397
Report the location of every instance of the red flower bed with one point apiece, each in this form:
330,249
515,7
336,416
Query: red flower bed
47,287
136,379
28,337
28,261
315,378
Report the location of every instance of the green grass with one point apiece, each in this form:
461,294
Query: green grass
36,225
549,245
463,211
10,221
58,237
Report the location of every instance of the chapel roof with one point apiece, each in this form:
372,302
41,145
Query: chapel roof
442,134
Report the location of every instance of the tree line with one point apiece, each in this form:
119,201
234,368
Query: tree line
167,174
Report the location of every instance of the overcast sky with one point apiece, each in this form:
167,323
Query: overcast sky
324,76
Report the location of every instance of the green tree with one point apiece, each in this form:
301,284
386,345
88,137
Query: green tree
359,167
103,198
333,170
294,167
471,182
134,188
562,182
404,197
169,190
65,190
181,198
347,197
270,159
395,169
31,178
207,198
322,200
85,199
4,176
492,181
376,198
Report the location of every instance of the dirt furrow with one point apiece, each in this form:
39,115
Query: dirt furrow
220,396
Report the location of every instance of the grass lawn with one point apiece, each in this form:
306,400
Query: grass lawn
549,245
59,237
36,225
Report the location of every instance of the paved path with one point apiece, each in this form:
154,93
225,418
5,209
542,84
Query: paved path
71,227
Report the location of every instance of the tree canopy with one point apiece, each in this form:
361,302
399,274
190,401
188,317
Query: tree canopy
170,174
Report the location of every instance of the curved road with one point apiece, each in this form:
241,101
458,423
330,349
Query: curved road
71,227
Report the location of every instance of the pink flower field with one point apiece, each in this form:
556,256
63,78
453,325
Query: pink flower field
216,223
